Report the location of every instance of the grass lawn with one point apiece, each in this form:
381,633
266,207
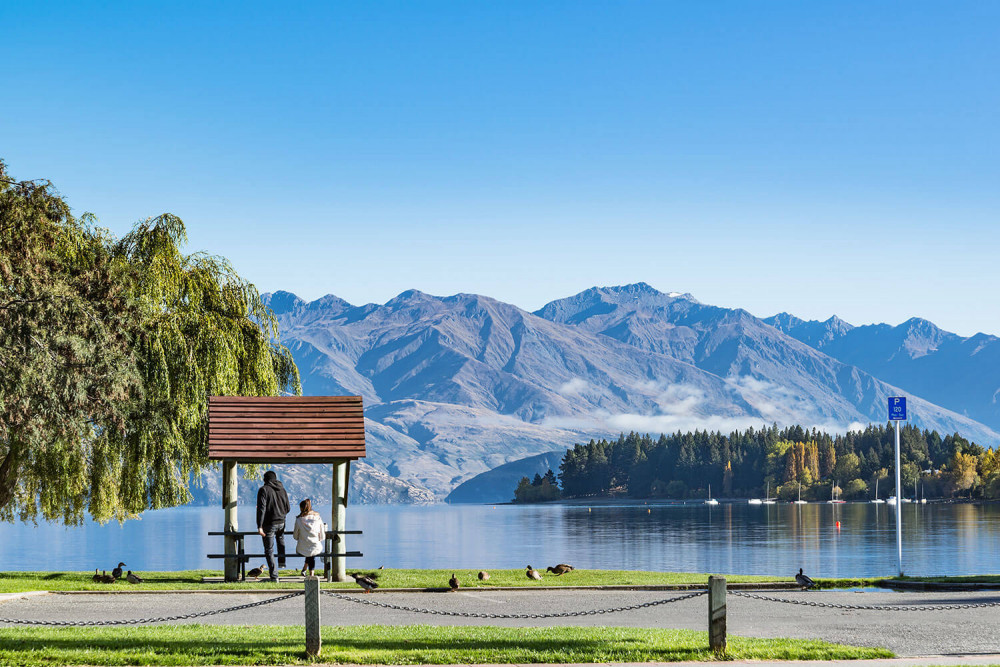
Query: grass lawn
412,644
18,582
964,579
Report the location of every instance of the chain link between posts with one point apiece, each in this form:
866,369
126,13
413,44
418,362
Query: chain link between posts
463,614
468,614
867,607
144,621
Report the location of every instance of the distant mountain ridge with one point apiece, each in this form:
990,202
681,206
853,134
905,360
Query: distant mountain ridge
456,386
953,371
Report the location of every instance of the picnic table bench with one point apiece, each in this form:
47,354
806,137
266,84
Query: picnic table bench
242,557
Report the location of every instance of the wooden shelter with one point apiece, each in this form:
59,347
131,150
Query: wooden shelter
286,429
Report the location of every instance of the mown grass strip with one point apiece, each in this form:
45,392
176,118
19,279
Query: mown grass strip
18,582
198,645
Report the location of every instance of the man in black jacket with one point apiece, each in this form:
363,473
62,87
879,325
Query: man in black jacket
272,506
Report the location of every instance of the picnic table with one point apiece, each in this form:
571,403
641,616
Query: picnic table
242,557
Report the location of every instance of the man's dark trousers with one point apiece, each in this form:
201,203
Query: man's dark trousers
272,533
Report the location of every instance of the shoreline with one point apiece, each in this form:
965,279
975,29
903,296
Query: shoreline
691,502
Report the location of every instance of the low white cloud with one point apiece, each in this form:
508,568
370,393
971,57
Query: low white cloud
685,407
656,424
573,387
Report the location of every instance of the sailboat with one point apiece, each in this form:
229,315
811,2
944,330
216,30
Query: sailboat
833,500
711,500
923,499
800,501
876,499
768,500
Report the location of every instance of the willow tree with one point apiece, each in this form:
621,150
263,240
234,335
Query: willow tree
109,349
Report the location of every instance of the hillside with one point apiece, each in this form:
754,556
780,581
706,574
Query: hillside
497,485
953,371
456,386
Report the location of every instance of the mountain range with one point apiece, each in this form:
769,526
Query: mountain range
456,386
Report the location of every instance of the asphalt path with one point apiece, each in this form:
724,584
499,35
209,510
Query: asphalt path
906,633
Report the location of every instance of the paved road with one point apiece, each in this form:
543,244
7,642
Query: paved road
911,633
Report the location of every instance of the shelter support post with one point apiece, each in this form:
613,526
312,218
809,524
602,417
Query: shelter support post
230,479
338,523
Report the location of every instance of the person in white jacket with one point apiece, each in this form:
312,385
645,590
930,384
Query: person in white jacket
309,535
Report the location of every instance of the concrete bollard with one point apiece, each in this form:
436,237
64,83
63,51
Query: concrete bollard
717,614
313,640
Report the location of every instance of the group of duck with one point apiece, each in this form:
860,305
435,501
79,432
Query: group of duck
368,583
115,575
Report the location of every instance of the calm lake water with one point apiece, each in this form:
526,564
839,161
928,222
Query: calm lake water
737,538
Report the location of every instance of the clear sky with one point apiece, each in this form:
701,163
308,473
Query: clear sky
812,157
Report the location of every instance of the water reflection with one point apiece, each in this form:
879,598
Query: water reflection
737,538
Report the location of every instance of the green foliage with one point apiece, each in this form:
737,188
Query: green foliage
856,489
109,349
537,490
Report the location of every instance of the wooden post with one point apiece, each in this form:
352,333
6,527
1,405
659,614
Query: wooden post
230,479
338,521
313,640
717,614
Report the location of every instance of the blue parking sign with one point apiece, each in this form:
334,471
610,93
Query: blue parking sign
897,408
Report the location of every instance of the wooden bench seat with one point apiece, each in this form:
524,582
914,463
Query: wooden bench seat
349,554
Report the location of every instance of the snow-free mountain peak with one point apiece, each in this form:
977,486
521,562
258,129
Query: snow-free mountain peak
282,302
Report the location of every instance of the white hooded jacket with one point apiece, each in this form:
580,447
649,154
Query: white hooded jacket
309,534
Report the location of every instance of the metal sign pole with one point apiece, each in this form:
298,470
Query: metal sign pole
899,506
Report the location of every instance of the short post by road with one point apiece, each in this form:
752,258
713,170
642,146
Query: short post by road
313,640
717,614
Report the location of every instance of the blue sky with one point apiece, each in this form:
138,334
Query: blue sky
817,158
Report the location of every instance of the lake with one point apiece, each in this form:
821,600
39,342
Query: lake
728,538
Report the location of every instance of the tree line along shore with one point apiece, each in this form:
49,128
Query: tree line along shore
782,463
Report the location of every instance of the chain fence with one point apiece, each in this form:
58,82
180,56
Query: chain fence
357,599
468,614
868,607
144,621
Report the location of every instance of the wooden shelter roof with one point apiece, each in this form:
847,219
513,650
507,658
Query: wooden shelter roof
285,429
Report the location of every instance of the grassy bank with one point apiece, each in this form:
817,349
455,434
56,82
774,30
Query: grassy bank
271,645
965,579
17,582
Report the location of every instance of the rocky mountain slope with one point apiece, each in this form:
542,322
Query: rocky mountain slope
953,371
497,485
368,486
455,386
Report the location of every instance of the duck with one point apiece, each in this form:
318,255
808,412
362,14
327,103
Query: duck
97,576
561,568
532,573
804,580
257,571
453,582
365,582
117,572
107,578
483,575
133,578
